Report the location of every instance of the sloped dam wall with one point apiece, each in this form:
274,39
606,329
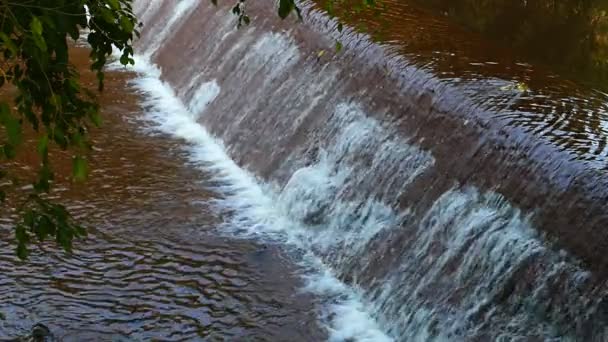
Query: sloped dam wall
461,206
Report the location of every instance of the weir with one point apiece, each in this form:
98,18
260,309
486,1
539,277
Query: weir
441,207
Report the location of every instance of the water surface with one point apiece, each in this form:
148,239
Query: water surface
154,265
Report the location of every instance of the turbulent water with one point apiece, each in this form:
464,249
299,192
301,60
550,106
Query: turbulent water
384,190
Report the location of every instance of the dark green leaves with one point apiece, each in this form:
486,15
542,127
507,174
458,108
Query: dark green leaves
9,151
36,28
239,10
43,219
79,169
95,118
49,98
8,45
11,125
286,7
45,176
338,46
236,10
127,24
12,128
43,146
114,5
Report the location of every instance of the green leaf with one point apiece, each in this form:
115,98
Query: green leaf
45,175
22,250
59,137
36,26
22,239
28,218
40,43
43,145
126,24
9,151
329,7
8,43
95,117
11,124
285,8
338,46
79,169
340,27
114,4
44,228
124,59
107,15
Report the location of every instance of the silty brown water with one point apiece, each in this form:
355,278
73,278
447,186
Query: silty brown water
154,265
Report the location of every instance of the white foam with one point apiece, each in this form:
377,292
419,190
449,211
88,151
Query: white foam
253,204
170,26
203,96
476,243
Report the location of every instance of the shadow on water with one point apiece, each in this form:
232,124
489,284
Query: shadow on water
539,65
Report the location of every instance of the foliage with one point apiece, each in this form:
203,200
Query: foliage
35,62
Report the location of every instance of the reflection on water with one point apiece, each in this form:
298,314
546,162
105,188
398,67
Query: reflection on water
570,35
152,267
487,69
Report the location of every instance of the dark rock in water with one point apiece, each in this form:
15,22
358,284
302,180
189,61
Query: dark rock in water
40,333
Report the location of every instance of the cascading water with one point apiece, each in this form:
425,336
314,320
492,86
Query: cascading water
303,152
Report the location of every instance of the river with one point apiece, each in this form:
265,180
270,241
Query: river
427,182
154,265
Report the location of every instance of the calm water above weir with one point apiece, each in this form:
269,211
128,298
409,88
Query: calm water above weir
536,65
570,36
154,265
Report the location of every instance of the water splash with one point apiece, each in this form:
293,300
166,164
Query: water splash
253,207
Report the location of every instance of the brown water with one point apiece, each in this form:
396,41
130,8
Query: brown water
154,266
538,66
570,36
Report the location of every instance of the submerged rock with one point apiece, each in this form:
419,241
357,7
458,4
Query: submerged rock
40,333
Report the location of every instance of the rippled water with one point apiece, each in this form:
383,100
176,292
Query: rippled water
153,267
501,84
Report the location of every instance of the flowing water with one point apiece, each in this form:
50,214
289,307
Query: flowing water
406,189
152,266
444,199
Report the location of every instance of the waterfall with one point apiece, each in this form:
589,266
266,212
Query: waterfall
391,223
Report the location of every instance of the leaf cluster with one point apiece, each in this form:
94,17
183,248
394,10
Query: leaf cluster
35,38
